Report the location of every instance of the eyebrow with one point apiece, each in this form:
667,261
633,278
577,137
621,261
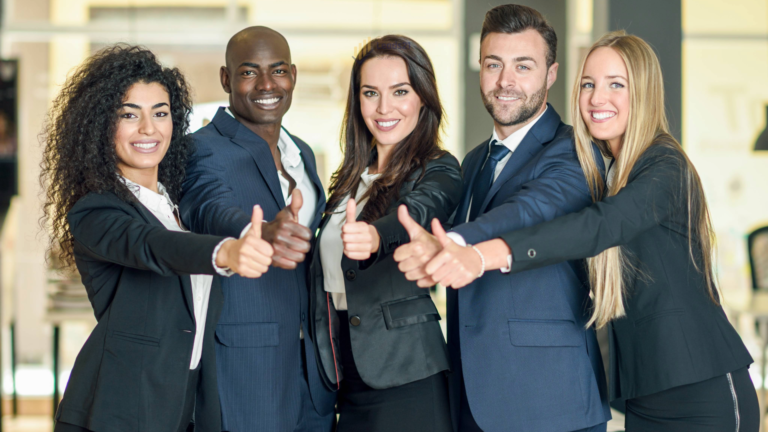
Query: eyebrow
517,59
155,106
609,77
257,66
392,86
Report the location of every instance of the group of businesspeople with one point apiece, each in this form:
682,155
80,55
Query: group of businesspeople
230,296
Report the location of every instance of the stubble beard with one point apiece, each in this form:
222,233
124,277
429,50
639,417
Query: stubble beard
528,108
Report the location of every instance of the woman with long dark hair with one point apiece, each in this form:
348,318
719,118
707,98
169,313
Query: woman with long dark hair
377,334
675,358
115,152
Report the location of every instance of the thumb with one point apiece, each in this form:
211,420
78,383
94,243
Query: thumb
351,210
408,223
439,233
296,202
256,219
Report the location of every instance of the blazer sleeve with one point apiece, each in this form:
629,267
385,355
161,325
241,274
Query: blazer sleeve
558,189
207,201
105,232
651,197
436,195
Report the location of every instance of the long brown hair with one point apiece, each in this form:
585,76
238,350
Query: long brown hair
413,153
647,126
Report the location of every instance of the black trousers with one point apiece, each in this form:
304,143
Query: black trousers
417,406
186,424
722,404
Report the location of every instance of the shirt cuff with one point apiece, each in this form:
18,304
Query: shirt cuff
508,268
223,271
457,238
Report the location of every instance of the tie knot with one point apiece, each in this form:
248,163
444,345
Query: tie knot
498,151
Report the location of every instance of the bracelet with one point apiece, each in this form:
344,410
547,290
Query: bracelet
482,262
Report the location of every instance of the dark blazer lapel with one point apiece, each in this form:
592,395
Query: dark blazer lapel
311,169
255,146
540,134
186,283
471,167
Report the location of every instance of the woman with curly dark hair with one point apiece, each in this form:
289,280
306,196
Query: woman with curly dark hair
115,152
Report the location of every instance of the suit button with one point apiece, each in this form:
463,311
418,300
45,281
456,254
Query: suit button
531,253
355,320
351,275
303,316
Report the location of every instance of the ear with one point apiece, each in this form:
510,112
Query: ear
552,74
224,78
294,73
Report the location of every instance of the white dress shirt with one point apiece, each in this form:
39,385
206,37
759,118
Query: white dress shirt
332,248
163,208
293,164
511,142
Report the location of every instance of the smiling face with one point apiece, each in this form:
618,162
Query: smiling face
514,78
144,130
259,77
604,98
388,103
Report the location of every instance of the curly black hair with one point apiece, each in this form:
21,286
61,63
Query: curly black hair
79,132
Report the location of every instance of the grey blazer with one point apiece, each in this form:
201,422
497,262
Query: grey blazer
396,336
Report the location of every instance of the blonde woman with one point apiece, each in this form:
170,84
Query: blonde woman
675,359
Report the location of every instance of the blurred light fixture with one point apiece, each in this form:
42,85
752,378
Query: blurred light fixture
762,140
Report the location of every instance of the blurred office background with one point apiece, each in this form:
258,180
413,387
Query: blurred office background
714,55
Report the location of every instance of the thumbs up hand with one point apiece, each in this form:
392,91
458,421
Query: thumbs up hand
455,266
412,257
360,238
251,255
289,239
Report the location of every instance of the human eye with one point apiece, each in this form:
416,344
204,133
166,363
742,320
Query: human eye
401,92
249,73
587,85
617,85
280,72
523,67
369,93
128,116
161,114
493,66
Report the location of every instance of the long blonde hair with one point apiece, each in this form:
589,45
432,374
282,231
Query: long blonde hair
647,125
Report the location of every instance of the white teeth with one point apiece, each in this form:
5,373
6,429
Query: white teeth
602,115
267,101
145,145
504,98
387,124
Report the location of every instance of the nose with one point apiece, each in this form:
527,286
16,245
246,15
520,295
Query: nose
146,125
597,98
385,105
266,83
506,78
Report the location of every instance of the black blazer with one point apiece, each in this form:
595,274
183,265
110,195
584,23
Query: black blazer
131,375
673,333
399,339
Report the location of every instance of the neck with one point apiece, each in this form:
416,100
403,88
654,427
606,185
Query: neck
384,152
143,177
504,132
615,146
269,132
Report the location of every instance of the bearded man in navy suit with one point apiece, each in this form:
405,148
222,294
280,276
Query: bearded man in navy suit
521,357
267,374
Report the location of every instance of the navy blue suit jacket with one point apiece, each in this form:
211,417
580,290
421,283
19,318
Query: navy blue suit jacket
519,340
258,349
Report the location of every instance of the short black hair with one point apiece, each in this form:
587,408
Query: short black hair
512,18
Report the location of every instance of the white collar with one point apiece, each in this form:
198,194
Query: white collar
514,140
148,197
290,153
368,179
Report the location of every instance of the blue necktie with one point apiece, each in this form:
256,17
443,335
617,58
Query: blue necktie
484,178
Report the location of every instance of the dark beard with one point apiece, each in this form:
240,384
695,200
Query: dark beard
528,109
